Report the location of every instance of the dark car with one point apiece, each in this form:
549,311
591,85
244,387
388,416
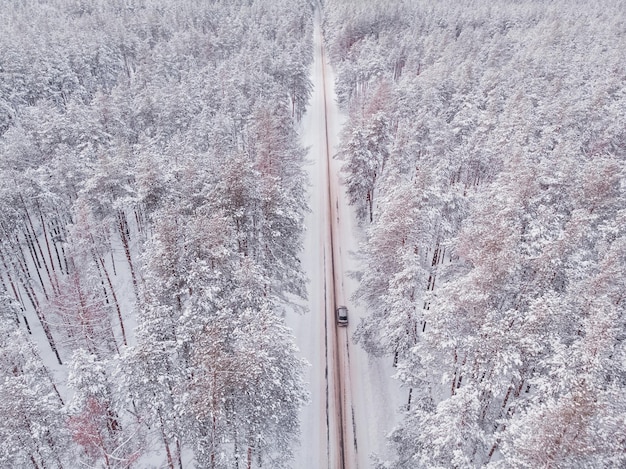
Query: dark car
342,316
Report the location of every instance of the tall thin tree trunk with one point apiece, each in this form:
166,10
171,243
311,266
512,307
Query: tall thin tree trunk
494,447
44,324
49,376
179,454
115,302
67,269
123,228
96,261
33,254
56,232
453,388
60,234
45,236
5,290
170,461
34,461
113,263
23,279
18,297
31,246
43,258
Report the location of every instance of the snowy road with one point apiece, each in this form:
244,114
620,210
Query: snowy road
342,420
353,399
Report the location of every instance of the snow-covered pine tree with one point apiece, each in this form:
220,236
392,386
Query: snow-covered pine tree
32,427
96,420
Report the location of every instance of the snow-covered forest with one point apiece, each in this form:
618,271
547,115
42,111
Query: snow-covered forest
152,215
153,202
485,156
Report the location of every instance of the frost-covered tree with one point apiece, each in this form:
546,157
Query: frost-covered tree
146,154
96,423
393,281
279,166
365,151
244,356
32,429
522,163
196,342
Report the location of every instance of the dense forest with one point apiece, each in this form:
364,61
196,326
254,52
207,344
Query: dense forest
152,195
485,156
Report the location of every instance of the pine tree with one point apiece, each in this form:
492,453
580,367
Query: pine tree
33,429
365,152
95,420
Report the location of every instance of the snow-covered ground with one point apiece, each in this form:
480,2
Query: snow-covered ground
370,396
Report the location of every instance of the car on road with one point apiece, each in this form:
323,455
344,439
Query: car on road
342,316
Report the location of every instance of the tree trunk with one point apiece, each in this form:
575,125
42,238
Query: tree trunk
43,322
45,236
30,293
58,237
179,454
94,257
54,285
18,297
34,461
455,373
34,257
115,302
494,447
124,235
170,461
31,246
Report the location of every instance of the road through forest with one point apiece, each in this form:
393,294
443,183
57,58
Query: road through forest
353,398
